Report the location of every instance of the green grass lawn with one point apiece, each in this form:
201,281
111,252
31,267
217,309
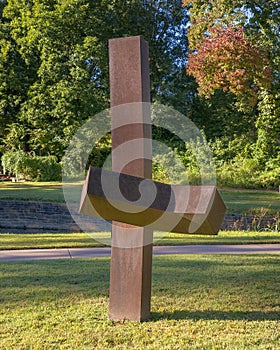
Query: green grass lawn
238,201
37,191
78,240
198,302
250,201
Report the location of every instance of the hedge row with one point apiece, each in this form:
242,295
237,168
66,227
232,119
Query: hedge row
33,168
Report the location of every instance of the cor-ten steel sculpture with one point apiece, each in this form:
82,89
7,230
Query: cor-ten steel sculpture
132,229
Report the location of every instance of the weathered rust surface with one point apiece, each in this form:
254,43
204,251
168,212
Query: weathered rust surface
131,260
186,209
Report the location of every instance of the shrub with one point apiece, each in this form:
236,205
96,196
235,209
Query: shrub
239,173
192,166
270,177
41,168
12,162
248,173
34,168
225,150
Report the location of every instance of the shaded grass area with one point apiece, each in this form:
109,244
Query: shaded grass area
71,240
198,302
36,191
251,201
239,201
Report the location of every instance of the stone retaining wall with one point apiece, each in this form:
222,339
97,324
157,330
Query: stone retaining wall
29,217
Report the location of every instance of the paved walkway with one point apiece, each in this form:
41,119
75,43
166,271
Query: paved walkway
43,254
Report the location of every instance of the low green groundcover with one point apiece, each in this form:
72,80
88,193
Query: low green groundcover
198,302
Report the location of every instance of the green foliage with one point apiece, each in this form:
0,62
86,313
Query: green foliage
12,161
240,172
159,173
60,59
249,173
32,167
54,64
270,177
177,162
239,164
41,168
268,124
226,151
100,152
54,76
247,66
219,118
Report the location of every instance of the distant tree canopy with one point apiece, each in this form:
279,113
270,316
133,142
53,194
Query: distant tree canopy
54,64
54,72
235,49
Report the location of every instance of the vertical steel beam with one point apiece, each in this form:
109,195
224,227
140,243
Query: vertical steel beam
131,259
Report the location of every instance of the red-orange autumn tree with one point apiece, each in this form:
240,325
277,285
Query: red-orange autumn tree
236,48
225,59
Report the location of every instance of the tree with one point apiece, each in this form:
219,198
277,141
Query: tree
61,80
13,76
54,63
236,48
226,60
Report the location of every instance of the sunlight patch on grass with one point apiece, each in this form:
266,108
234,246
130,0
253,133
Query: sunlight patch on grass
79,240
